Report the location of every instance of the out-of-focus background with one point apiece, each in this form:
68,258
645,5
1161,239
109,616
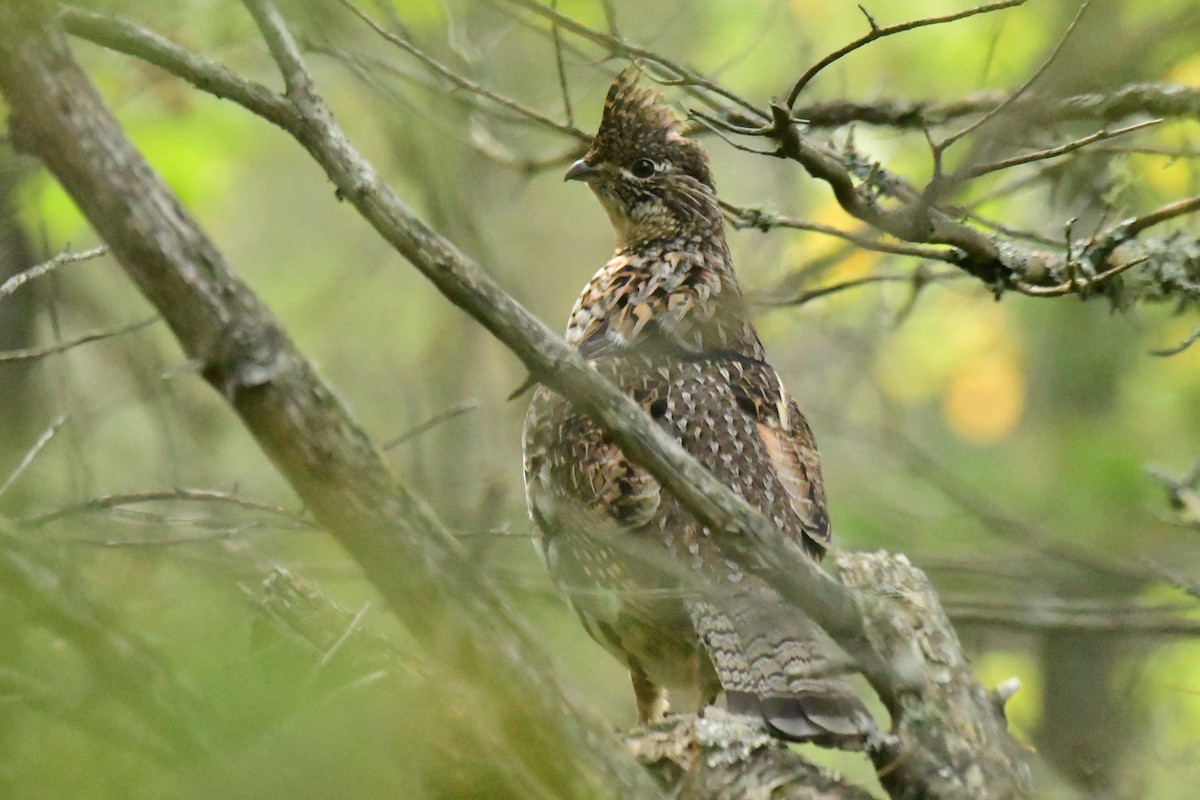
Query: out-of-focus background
1015,449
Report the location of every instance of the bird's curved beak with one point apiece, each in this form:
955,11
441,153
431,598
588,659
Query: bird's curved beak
578,171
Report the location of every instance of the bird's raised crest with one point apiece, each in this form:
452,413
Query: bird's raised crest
638,123
628,102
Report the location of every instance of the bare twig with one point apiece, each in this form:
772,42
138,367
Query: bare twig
21,278
461,82
713,125
109,501
1077,285
610,17
204,73
808,295
745,217
561,68
877,32
680,75
297,81
1176,349
996,519
32,453
1101,246
1020,90
446,415
1178,208
352,626
219,534
36,353
1051,152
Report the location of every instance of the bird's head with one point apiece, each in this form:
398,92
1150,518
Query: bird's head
653,182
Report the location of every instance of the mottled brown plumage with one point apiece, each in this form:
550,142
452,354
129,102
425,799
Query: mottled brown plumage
665,320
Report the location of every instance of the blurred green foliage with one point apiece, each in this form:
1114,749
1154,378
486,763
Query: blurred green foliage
1045,411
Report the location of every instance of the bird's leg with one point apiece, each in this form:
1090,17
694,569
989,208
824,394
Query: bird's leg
651,698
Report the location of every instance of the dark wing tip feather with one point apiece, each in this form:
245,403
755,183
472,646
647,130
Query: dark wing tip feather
832,720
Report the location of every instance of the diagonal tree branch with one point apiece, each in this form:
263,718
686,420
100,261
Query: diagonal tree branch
296,419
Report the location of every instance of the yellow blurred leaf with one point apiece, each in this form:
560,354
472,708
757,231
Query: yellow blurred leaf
984,400
1186,72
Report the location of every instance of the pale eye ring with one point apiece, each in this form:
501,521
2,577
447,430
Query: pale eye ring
643,168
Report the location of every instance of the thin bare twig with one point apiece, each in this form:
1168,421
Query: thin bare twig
1016,95
1076,285
446,415
352,626
32,453
682,75
1101,246
877,32
110,501
465,83
21,278
713,125
743,217
205,73
1169,211
1051,152
36,353
561,68
809,295
610,17
996,519
1174,350
212,534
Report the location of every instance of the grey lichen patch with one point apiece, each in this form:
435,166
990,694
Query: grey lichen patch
726,738
949,734
723,756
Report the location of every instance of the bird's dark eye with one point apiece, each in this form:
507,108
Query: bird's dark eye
642,168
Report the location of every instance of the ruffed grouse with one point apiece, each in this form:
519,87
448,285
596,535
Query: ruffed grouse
665,321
